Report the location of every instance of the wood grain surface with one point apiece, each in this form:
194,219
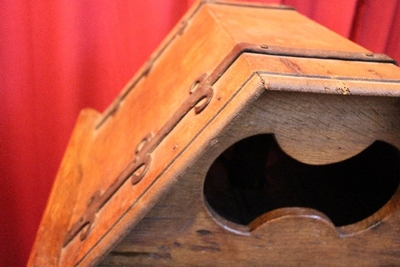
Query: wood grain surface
266,70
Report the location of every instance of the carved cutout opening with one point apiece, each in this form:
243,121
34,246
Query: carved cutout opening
255,176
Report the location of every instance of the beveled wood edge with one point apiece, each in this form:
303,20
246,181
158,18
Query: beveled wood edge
327,85
290,212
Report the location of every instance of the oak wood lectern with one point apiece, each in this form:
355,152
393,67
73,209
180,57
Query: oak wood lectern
252,137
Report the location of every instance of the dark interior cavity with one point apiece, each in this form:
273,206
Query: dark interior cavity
255,176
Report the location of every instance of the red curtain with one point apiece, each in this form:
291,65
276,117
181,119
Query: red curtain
58,57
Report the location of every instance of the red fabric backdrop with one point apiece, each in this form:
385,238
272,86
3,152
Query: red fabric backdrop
58,57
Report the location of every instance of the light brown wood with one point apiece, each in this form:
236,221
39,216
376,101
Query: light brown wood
141,177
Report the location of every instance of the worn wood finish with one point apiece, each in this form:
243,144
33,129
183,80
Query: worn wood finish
182,230
134,177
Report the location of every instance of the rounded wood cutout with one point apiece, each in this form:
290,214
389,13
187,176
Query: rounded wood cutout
255,182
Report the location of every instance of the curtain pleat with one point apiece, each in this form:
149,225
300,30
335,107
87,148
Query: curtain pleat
336,15
392,47
58,57
373,25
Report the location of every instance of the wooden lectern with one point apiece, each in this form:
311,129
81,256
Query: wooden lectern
252,137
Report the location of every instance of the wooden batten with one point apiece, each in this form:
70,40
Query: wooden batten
253,136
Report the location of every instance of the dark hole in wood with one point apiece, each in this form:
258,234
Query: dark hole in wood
255,176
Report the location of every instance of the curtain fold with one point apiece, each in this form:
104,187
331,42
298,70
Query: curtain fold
336,15
377,26
58,57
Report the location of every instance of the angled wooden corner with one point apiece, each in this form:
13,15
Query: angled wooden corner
253,136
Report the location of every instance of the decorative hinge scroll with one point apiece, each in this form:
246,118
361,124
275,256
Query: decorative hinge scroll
200,95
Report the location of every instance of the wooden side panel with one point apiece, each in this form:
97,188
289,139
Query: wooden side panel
181,230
